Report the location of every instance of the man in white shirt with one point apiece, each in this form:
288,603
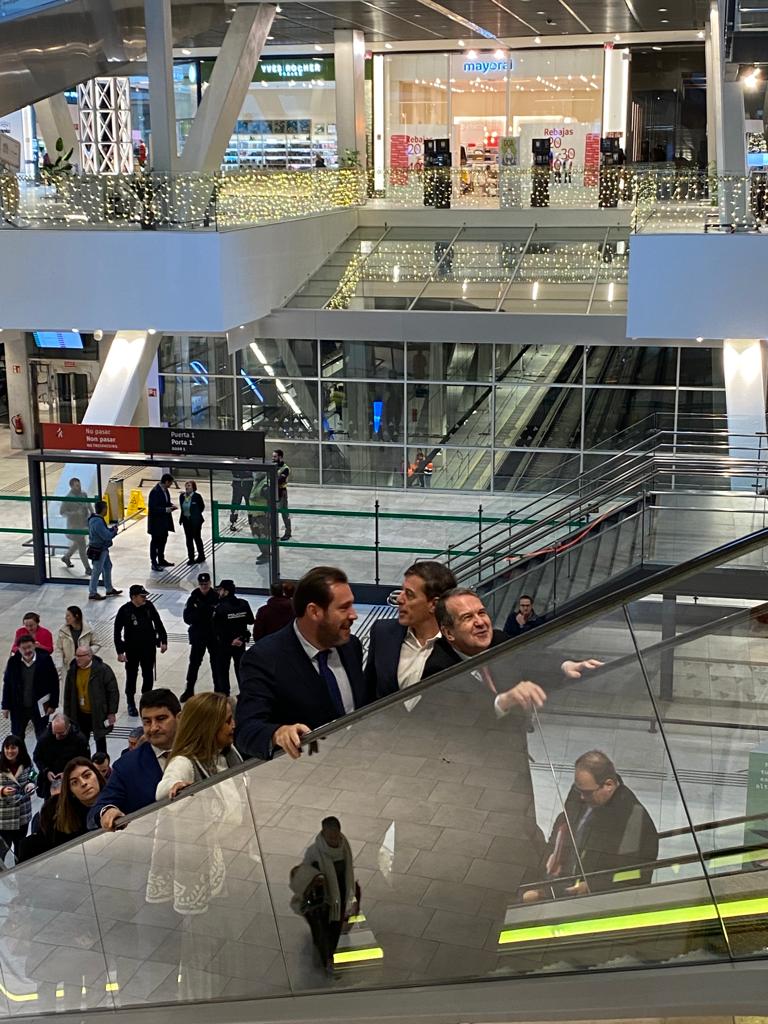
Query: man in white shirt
135,775
304,675
400,648
467,630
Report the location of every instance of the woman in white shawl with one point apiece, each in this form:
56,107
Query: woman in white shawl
331,856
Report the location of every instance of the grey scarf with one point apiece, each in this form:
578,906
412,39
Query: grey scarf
327,857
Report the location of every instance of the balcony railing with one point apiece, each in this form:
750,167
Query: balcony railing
658,198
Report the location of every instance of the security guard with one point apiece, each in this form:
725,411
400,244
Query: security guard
139,631
231,618
198,615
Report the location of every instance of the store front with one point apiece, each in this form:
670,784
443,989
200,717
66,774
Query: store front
288,119
477,98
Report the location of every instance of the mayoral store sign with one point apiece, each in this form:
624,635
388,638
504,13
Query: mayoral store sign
486,64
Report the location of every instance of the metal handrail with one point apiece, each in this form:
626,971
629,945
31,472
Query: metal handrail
698,460
575,618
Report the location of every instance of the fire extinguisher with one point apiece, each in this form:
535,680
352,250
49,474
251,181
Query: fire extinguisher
18,424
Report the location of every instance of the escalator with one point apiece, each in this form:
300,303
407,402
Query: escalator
446,803
47,47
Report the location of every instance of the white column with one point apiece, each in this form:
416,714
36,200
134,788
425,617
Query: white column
745,379
731,157
22,400
615,92
162,106
711,99
54,122
349,61
223,99
104,109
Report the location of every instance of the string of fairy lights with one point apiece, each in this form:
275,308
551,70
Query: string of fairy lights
679,199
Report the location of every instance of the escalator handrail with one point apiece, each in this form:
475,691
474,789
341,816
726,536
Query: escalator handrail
725,552
659,463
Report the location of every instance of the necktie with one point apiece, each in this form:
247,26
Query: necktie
331,682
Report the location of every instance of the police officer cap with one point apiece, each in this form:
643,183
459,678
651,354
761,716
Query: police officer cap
203,577
227,585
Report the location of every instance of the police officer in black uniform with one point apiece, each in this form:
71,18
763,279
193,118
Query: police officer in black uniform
242,482
139,631
198,615
231,618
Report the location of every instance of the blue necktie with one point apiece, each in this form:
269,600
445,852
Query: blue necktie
331,682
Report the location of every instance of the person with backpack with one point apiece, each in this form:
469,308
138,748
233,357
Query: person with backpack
100,538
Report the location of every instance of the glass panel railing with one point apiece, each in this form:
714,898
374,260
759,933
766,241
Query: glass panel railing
614,824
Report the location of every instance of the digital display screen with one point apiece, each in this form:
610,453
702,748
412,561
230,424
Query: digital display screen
58,339
757,159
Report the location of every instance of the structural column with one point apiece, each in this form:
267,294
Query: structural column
22,396
615,92
223,99
729,127
745,379
54,122
162,106
349,60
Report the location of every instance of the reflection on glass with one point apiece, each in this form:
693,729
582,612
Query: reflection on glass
361,465
198,401
362,411
449,414
531,417
381,360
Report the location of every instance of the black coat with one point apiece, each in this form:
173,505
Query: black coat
198,613
159,519
46,682
138,628
387,637
196,517
616,836
231,618
52,755
279,685
103,693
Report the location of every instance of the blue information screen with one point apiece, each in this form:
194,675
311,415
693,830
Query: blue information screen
58,339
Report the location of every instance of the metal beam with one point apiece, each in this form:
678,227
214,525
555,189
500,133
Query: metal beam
162,105
223,99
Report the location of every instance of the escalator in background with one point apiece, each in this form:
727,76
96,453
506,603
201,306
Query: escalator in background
483,853
49,47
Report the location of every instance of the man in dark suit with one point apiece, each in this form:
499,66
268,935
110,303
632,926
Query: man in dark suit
308,673
400,648
160,521
467,630
135,774
30,688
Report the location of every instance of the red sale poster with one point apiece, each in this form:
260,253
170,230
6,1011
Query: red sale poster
592,159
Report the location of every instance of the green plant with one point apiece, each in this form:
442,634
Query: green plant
350,159
62,163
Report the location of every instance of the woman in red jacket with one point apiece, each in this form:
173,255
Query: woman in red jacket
43,637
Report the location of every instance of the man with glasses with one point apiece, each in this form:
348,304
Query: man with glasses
602,840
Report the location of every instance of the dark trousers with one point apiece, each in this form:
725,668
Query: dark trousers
85,725
20,720
192,533
325,933
197,649
241,492
157,542
12,838
221,676
134,660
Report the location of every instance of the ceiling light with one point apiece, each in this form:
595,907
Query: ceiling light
98,335
460,42
662,10
535,291
617,39
318,47
471,54
657,48
186,52
151,330
700,34
610,292
499,55
270,37
278,9
665,21
75,330
537,40
699,340
387,46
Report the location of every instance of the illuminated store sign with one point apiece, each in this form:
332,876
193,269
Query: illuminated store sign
485,67
292,68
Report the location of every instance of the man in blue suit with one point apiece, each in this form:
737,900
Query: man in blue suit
399,648
305,675
135,775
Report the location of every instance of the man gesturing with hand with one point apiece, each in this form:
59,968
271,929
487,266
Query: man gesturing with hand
305,675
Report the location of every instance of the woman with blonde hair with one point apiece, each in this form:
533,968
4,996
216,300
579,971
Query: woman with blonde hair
203,744
192,873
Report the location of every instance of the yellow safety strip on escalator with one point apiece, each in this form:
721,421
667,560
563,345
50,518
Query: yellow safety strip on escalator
354,956
630,922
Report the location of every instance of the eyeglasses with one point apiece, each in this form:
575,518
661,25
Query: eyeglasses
588,792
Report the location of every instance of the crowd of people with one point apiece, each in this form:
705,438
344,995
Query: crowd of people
305,668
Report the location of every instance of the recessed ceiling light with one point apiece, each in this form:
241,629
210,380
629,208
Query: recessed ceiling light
278,9
657,48
617,39
665,21
460,42
387,46
186,53
699,35
537,40
699,340
662,10
318,47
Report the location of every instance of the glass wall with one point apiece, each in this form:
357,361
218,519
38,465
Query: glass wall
477,97
484,417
